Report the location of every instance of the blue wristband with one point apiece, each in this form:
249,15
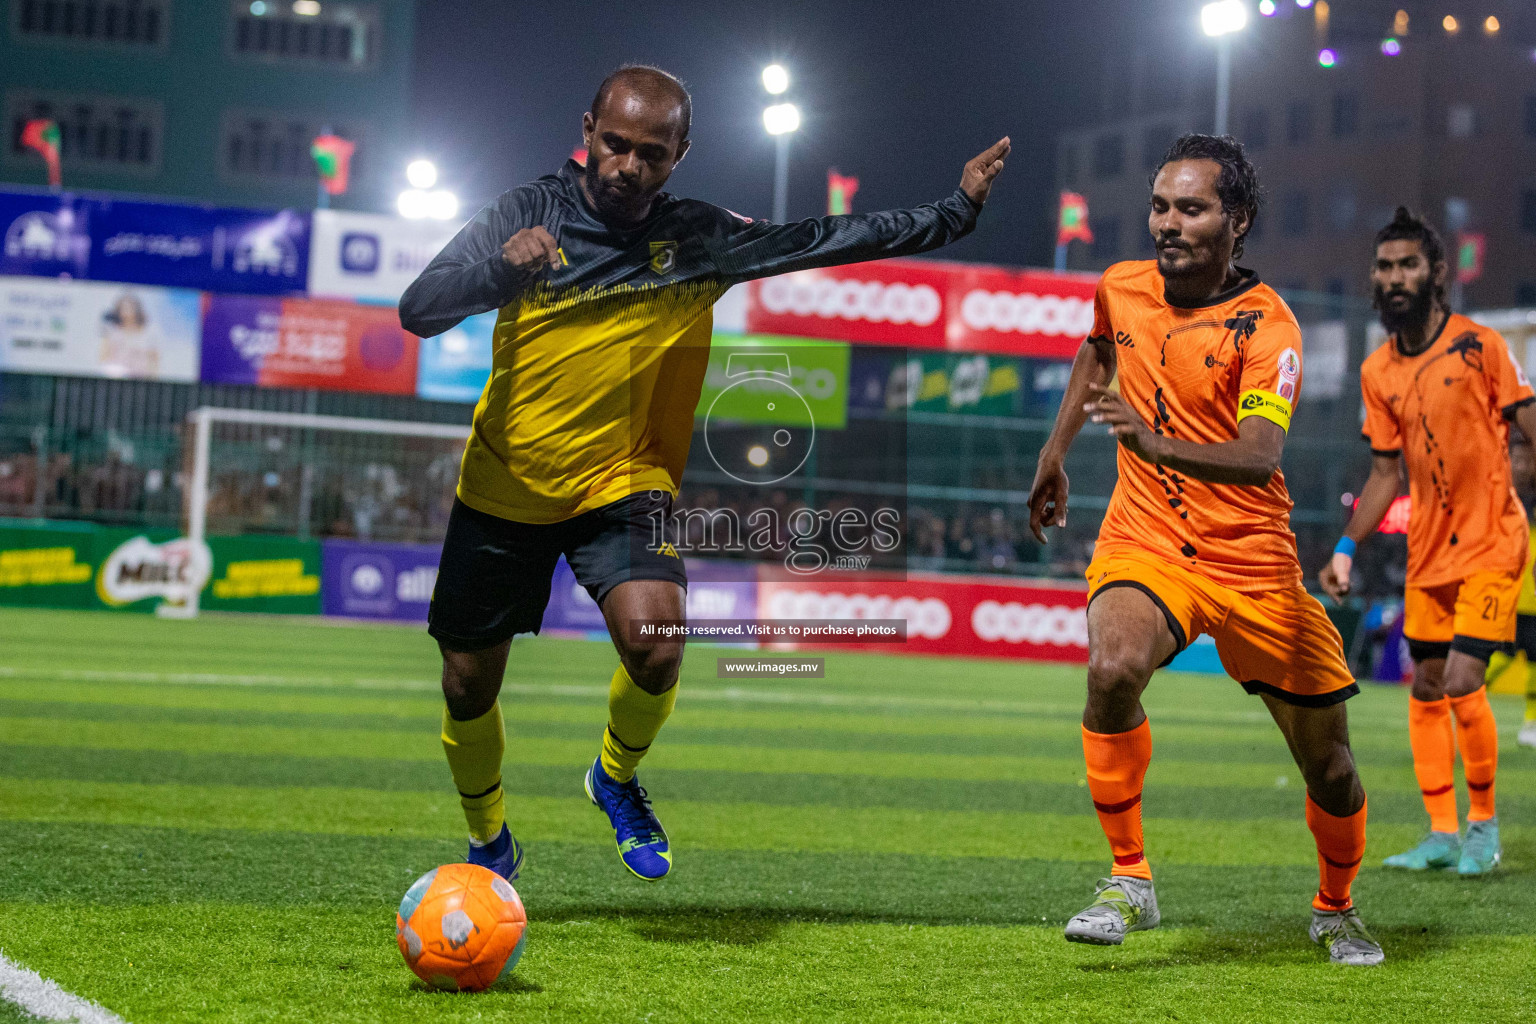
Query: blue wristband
1345,546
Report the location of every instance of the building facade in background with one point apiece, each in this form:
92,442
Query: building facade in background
1405,107
211,100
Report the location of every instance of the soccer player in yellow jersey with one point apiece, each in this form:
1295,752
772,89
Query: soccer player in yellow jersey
1197,537
1439,394
604,285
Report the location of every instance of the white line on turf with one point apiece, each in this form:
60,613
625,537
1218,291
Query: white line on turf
45,999
731,694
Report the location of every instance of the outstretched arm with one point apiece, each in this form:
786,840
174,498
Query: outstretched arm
1248,461
749,249
1094,366
1376,498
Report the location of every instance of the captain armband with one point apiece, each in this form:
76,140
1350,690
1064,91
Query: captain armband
1266,404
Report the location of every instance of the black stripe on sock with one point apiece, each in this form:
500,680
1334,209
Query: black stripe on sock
477,796
626,746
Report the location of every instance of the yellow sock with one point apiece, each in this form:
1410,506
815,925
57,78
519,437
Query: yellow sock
474,751
634,719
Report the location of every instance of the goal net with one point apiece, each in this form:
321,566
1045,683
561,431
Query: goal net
301,475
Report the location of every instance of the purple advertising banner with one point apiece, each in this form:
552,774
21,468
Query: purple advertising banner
44,235
216,249
377,581
367,580
209,248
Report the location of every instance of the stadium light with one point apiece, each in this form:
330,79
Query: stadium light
1391,47
781,118
1327,58
1400,23
421,173
775,79
1450,24
442,205
1303,3
1220,20
780,121
1267,8
419,204
258,8
1224,17
306,8
1491,26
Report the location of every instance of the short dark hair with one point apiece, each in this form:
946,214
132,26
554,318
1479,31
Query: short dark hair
651,78
1238,185
1407,226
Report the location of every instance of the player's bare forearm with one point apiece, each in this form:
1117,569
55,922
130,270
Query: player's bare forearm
1249,461
1093,365
1376,497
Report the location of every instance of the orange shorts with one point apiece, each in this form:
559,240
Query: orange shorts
1279,642
1480,607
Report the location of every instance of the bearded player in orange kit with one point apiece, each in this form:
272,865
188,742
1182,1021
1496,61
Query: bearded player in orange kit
1439,395
1197,537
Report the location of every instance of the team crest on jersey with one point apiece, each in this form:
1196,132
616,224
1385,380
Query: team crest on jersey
663,257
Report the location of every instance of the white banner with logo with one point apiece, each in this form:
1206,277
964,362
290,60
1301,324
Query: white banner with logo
371,256
93,329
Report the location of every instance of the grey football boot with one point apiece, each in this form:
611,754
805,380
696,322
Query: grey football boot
1348,942
1121,905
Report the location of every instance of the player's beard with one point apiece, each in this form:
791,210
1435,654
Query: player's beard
1413,316
608,203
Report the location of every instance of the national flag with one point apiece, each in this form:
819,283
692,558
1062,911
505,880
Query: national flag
1470,247
42,134
840,192
1074,219
333,157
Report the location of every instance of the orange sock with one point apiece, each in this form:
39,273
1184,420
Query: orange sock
1478,735
1434,760
1340,845
1117,764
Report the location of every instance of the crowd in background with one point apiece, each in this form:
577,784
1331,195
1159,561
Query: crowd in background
409,501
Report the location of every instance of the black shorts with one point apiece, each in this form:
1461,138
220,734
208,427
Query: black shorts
494,578
1525,635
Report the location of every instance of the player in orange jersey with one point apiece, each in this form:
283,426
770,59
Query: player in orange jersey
1440,393
1197,536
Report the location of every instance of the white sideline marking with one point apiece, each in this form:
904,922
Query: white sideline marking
43,998
729,694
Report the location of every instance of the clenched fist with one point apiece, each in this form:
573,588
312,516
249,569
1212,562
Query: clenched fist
531,251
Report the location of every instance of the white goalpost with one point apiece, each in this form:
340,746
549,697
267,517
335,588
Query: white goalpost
274,432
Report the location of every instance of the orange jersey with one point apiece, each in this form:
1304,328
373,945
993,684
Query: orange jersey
1446,410
1193,374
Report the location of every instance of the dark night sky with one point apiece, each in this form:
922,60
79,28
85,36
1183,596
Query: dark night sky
899,93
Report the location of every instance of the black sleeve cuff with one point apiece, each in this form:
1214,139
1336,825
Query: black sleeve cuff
1514,407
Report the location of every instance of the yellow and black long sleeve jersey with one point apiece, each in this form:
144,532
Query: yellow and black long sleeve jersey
598,363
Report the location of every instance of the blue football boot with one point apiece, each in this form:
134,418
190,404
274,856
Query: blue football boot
641,840
503,855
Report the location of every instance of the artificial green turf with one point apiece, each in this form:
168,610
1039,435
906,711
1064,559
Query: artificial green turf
213,820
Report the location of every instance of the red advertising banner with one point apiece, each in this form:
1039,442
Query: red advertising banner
953,615
891,302
307,343
1021,313
925,304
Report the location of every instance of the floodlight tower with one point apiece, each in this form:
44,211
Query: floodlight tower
1221,20
781,121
